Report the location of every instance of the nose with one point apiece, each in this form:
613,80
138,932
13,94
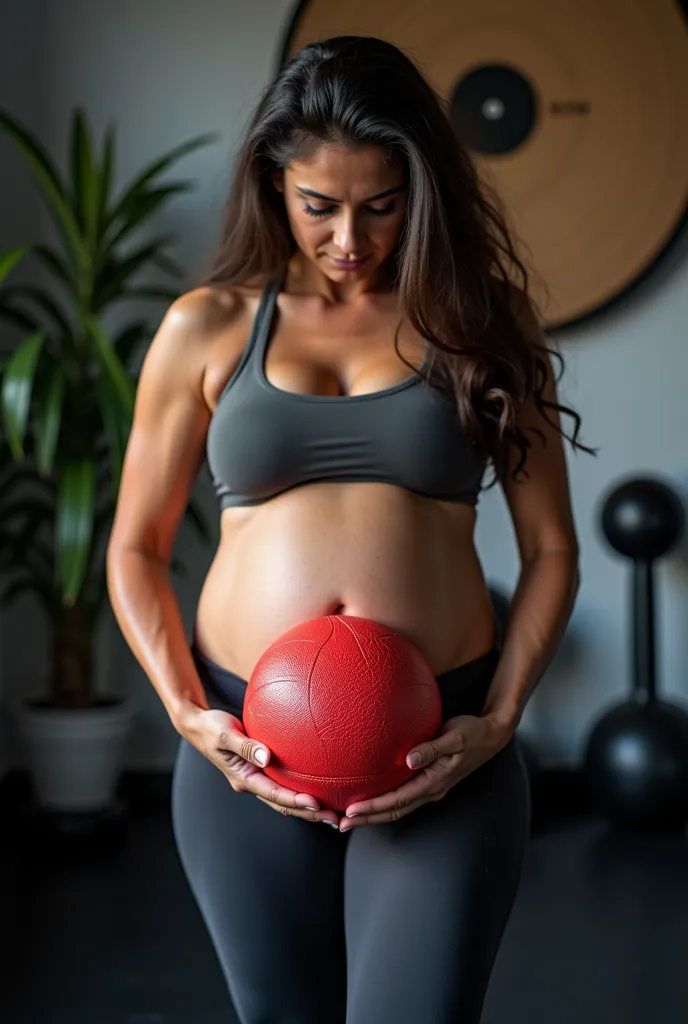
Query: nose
347,236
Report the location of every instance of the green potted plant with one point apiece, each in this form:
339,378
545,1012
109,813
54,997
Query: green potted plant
66,400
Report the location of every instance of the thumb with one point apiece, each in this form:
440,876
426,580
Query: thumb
423,755
260,755
235,739
441,749
252,750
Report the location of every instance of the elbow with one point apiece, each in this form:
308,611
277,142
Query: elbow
576,579
571,557
122,568
574,555
113,567
119,546
564,560
122,547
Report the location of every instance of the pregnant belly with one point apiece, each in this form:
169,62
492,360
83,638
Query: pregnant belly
371,550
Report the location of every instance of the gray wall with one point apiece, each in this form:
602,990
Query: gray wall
167,70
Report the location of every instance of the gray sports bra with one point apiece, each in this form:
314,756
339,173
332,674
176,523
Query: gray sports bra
263,440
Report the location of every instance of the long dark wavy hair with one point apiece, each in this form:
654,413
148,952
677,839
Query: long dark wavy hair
454,260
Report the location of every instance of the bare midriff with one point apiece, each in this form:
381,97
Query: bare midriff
372,550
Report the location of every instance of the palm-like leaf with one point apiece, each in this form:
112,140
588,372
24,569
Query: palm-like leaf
117,423
87,181
48,418
116,273
111,367
74,525
139,187
58,267
51,186
128,339
143,206
57,318
17,384
9,260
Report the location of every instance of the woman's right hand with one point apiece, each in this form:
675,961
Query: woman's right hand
220,737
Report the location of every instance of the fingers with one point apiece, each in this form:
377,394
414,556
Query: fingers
220,737
245,774
246,778
421,787
271,792
393,814
328,817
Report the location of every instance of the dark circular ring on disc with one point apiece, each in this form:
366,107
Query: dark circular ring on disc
494,108
575,114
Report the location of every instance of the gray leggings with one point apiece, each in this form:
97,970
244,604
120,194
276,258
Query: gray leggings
398,922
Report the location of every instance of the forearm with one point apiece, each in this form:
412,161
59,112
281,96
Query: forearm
540,610
146,608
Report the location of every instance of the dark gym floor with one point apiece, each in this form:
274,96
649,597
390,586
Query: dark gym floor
109,934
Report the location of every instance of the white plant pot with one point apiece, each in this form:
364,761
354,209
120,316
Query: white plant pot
75,757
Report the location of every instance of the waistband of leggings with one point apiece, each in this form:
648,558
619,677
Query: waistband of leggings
463,689
218,682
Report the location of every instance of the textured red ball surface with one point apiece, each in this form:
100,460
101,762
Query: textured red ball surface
340,701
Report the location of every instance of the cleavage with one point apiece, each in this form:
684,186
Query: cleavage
345,354
310,372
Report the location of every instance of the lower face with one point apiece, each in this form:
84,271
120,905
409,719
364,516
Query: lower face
350,233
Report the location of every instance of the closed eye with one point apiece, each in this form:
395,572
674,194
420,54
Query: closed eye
379,212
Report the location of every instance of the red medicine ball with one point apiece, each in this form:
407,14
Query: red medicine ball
340,701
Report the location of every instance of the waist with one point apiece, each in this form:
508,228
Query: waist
366,550
463,689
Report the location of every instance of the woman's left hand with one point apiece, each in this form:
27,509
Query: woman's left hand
463,744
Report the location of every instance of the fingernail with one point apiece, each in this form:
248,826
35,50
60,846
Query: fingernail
326,821
308,807
416,760
345,828
261,757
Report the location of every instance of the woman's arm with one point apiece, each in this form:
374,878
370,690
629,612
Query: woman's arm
165,452
540,507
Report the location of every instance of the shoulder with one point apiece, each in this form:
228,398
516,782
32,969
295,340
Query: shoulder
178,355
193,322
203,311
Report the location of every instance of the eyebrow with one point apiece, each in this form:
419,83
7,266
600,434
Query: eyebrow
370,199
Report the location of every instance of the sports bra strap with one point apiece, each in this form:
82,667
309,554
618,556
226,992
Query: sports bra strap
260,329
264,316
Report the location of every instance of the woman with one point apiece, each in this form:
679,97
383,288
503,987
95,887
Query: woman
355,360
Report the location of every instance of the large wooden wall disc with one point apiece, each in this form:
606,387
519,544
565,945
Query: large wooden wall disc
577,112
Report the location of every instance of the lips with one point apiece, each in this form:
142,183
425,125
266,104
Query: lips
348,264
